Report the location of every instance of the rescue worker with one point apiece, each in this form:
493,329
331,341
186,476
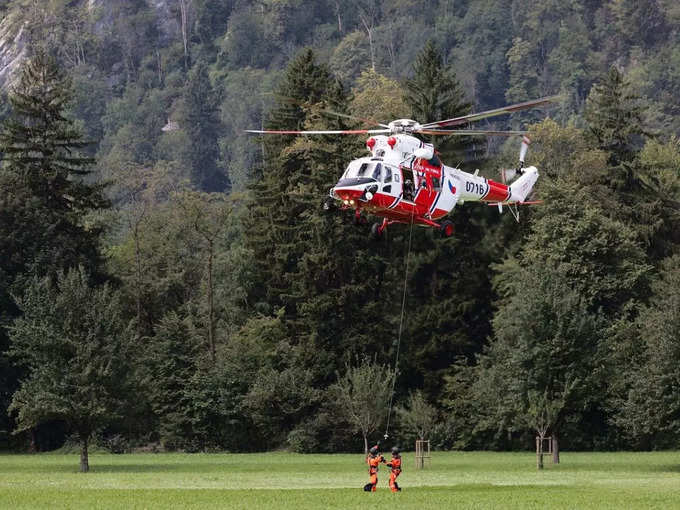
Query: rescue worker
395,465
373,460
408,190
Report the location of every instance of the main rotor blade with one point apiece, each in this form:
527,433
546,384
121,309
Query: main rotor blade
469,132
328,132
319,109
457,121
354,117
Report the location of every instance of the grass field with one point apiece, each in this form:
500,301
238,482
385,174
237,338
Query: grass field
291,481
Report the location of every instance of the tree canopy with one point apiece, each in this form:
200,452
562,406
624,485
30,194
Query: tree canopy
252,307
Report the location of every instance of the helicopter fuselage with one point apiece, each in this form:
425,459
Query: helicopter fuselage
404,181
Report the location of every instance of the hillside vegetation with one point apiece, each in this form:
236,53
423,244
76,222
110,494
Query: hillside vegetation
168,279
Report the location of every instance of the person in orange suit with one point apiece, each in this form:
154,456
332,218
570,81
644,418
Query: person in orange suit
373,460
395,465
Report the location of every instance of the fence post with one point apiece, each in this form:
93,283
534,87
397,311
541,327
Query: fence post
421,454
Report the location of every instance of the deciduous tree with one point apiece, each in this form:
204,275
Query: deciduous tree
577,273
362,395
647,408
72,338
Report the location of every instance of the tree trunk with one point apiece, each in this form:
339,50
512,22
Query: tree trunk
539,452
183,10
33,448
365,445
369,32
370,44
138,270
84,459
211,311
556,449
160,67
393,57
337,12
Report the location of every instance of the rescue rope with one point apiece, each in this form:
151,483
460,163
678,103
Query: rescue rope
401,324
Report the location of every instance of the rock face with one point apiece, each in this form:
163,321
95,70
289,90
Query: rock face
168,25
12,48
13,36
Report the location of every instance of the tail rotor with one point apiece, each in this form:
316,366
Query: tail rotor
508,174
523,152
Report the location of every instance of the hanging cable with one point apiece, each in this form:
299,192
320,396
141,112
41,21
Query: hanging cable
401,324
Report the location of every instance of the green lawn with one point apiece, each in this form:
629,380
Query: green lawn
283,480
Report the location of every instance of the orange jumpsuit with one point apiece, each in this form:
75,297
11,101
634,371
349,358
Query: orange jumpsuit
373,463
395,464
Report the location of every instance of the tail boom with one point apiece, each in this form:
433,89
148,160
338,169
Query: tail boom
520,189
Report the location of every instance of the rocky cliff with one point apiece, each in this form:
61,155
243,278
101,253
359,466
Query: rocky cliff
12,46
14,29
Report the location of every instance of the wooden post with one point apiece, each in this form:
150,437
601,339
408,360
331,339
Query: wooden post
541,444
422,452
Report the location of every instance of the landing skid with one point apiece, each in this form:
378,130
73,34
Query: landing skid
445,227
378,229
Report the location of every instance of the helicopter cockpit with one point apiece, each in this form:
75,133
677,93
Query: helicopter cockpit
364,177
361,171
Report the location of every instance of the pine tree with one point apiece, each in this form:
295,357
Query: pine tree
43,196
449,290
615,122
616,126
304,84
202,124
434,93
170,361
275,217
316,266
449,299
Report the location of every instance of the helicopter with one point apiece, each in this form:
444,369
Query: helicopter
403,179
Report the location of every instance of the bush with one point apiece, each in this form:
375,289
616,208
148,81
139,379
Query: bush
117,444
302,439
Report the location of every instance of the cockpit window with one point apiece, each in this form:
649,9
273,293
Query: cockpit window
357,170
376,172
388,174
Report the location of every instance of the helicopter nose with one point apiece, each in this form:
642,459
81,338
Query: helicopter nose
349,193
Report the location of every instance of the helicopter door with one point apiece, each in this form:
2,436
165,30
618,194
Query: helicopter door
407,183
390,181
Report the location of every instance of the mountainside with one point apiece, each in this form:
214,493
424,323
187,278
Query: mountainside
12,46
249,316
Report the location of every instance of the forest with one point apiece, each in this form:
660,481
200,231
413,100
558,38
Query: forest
171,282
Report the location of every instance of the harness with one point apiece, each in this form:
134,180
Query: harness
373,464
396,468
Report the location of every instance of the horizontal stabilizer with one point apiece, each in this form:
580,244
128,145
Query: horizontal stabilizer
531,202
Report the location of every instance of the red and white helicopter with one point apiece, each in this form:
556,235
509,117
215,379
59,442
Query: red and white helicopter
404,181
